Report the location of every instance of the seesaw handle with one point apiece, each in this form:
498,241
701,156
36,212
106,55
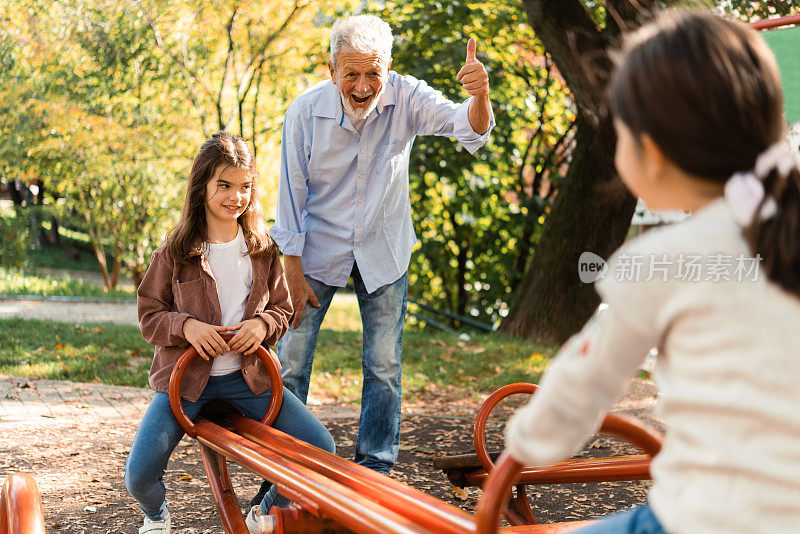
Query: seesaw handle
267,357
612,424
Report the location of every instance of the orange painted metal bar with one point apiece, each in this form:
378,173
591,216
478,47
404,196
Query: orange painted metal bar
296,519
313,490
619,468
222,490
495,498
495,493
549,528
612,424
21,506
441,517
267,357
770,24
582,470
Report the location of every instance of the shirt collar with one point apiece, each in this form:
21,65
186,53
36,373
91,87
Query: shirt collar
329,104
387,98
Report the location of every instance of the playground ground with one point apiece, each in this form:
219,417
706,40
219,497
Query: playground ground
74,438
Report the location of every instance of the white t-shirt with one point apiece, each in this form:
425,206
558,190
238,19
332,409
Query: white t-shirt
233,273
728,369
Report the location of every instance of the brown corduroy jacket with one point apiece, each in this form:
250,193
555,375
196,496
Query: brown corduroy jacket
171,292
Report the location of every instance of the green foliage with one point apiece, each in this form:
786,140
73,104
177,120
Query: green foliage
107,103
16,281
14,240
73,251
749,11
87,110
478,216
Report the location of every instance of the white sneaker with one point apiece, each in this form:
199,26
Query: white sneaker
257,523
156,527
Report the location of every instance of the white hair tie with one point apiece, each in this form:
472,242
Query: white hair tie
744,191
777,157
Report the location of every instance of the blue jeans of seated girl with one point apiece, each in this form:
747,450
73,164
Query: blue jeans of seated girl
382,315
159,434
639,520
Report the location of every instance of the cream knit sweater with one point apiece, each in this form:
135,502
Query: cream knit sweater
728,370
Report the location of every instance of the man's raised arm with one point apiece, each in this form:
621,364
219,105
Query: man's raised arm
475,79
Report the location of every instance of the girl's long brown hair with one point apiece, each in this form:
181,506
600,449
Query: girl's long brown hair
189,238
707,91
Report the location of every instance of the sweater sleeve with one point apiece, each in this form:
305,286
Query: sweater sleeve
594,367
590,372
278,309
154,299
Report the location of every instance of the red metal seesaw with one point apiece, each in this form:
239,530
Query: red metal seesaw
473,469
330,494
20,506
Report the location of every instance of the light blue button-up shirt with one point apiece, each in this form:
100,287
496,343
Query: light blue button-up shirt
343,196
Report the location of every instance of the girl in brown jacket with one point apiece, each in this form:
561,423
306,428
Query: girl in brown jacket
217,272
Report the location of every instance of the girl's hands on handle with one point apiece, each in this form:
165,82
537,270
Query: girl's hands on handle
205,338
249,336
299,290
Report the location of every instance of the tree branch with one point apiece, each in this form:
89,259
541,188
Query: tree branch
578,49
626,15
228,67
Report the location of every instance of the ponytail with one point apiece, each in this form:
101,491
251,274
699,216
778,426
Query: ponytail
776,238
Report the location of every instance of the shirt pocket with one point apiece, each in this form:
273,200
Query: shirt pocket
189,296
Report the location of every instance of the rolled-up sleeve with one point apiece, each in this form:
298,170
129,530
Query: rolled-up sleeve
436,115
463,132
288,231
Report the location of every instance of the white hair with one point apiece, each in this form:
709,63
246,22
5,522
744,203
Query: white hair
367,34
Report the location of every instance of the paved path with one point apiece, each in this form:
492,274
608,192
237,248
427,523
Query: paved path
32,402
87,312
69,312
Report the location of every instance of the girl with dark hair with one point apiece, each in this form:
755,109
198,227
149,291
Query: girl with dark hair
698,113
217,272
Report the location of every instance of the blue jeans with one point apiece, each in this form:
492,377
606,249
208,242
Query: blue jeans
639,520
382,315
159,434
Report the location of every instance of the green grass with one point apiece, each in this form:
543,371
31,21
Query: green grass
15,281
431,360
115,354
103,352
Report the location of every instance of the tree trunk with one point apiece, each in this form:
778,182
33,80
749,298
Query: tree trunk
592,212
100,254
116,268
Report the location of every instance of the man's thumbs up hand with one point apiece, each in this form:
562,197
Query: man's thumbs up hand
473,75
472,46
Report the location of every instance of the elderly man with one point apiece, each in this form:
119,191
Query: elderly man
344,210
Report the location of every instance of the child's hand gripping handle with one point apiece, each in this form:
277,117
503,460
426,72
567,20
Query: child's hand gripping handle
267,357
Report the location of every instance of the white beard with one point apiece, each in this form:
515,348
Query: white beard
362,113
